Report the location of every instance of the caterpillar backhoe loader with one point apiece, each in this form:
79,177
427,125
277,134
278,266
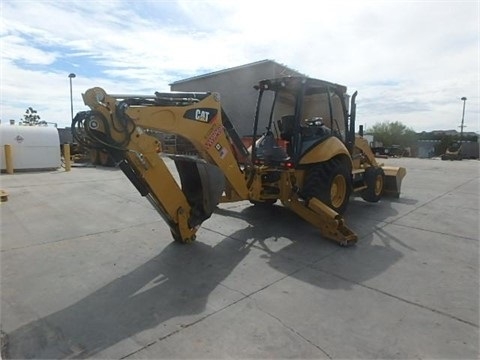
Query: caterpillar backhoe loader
453,151
306,155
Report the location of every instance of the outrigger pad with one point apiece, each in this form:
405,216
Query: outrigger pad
203,184
393,180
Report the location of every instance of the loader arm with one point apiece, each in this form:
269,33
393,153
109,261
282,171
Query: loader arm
120,124
393,174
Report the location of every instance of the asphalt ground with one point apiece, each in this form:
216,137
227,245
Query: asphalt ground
89,270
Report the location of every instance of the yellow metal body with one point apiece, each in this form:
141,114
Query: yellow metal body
122,127
364,158
321,216
121,124
325,151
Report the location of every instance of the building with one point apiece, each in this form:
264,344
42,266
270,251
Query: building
435,143
235,86
465,134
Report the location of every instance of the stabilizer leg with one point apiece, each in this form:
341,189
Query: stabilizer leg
329,222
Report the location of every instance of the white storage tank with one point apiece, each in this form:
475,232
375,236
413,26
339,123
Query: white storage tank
33,147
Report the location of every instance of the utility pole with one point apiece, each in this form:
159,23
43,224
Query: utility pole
71,76
464,99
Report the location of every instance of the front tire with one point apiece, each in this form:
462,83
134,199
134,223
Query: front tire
330,182
374,179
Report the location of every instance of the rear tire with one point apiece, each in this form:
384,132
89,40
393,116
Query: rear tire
374,179
330,182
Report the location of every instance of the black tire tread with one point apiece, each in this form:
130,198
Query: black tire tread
318,182
369,178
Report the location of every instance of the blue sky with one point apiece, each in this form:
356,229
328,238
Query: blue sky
411,61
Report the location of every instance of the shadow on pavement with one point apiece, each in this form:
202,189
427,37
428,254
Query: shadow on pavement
177,282
373,254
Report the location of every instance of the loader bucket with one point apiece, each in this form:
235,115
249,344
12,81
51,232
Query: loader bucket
393,180
203,185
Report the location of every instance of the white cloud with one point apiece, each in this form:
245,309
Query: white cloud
18,49
411,61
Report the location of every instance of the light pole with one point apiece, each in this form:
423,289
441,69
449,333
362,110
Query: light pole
464,99
71,76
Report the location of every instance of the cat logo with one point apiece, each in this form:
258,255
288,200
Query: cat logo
201,114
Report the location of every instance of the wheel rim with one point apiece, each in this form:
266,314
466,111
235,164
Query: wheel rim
338,191
378,184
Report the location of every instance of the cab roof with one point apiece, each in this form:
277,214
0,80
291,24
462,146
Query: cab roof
294,83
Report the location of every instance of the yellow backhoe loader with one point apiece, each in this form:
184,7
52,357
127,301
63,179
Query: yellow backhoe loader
453,151
307,155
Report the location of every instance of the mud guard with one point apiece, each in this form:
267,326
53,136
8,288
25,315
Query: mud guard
203,184
393,180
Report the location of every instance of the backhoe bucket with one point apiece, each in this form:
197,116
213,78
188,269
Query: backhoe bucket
393,180
203,184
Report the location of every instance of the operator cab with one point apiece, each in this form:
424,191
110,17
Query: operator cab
298,113
313,128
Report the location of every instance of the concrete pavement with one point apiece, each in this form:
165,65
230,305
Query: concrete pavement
89,270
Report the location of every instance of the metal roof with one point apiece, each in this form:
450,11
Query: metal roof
256,63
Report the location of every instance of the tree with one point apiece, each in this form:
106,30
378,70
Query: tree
393,133
31,118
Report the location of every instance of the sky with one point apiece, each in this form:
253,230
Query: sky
410,61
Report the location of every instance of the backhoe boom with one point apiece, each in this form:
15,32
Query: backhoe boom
121,124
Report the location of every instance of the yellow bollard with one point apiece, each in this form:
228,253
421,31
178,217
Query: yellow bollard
8,159
66,156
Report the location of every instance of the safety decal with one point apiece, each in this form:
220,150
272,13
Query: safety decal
221,150
212,138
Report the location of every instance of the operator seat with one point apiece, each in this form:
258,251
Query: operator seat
286,124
